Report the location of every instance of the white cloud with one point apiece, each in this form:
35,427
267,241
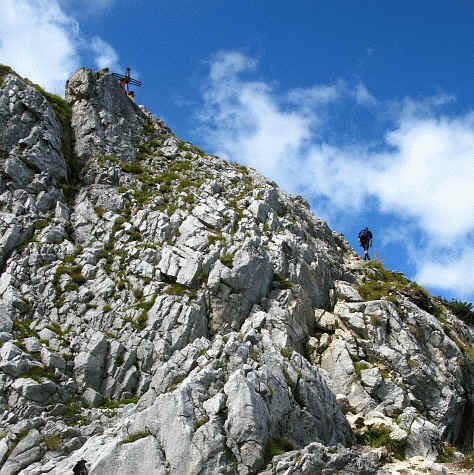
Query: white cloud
39,41
423,175
451,274
43,43
429,176
225,65
106,55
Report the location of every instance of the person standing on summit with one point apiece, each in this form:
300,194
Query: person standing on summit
365,237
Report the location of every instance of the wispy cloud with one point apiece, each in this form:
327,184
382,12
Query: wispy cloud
363,96
106,56
421,173
87,7
44,43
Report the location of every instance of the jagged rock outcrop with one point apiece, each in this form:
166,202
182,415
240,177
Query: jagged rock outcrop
164,311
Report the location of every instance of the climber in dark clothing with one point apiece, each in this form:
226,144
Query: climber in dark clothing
80,468
365,238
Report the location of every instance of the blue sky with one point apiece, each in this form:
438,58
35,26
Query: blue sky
365,108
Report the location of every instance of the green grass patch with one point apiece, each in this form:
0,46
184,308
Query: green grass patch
377,438
176,289
282,282
359,367
201,422
276,447
134,168
134,437
213,238
291,384
40,224
21,328
38,373
174,385
54,327
53,441
253,354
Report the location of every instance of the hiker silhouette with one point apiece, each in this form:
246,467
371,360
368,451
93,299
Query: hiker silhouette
365,238
80,468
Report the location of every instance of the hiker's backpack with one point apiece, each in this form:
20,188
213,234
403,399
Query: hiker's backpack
364,235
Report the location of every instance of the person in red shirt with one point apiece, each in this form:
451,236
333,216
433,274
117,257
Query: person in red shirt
122,85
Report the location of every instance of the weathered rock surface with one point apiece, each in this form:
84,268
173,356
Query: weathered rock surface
163,311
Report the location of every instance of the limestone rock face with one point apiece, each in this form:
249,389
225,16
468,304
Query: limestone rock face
165,311
30,133
104,119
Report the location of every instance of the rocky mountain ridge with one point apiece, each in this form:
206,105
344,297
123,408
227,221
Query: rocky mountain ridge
165,311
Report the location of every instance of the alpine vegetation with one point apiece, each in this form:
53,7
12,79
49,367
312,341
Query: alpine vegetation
164,311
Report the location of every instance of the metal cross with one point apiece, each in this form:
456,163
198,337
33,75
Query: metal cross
127,79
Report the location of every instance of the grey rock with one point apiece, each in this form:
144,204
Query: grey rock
347,292
27,451
204,285
33,144
97,102
6,323
37,392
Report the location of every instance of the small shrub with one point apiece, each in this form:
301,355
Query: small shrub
213,238
135,168
54,327
78,278
138,293
462,310
108,404
71,287
38,373
447,455
122,284
227,260
135,236
141,321
176,289
130,400
282,282
189,199
106,308
99,211
40,224
276,447
377,438
286,352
